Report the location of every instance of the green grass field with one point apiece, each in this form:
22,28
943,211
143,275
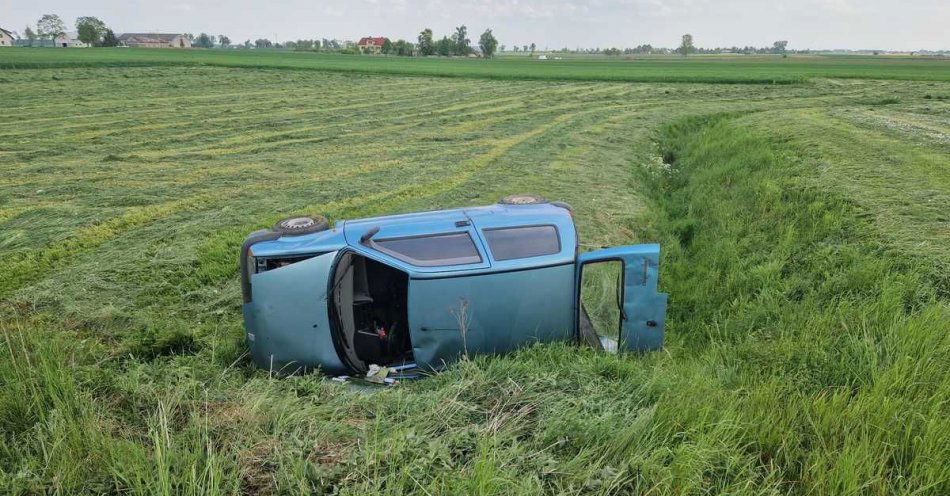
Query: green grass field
696,69
806,249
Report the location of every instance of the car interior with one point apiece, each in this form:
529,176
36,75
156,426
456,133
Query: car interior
369,316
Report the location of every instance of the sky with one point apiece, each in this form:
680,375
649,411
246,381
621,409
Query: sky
814,24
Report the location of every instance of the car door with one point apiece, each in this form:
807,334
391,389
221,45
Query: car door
527,296
286,317
489,312
642,309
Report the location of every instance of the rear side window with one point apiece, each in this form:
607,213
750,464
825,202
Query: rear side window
510,243
428,251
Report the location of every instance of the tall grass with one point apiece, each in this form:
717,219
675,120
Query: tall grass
838,343
62,435
51,431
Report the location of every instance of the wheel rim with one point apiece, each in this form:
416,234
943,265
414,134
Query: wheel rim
297,223
522,199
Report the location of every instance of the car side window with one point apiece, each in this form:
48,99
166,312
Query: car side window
509,243
432,250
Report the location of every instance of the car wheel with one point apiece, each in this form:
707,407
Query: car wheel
522,200
306,224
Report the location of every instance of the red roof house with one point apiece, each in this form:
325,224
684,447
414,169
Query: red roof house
371,44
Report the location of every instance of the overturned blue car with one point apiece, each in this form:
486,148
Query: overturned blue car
426,287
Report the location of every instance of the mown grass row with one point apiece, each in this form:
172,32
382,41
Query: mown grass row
117,163
30,266
906,192
214,263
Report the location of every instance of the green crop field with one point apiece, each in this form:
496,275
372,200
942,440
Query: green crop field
698,69
806,250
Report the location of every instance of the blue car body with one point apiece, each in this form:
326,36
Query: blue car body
426,287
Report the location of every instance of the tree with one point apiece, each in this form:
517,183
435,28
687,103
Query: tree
687,45
461,41
203,40
612,51
532,48
644,49
263,43
487,43
50,26
403,48
779,46
247,44
224,41
426,45
524,48
109,39
30,35
501,48
444,46
91,30
387,46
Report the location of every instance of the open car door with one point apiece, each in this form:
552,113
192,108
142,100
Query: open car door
286,317
642,310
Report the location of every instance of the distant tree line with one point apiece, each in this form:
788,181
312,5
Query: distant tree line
94,32
310,45
91,30
205,40
533,47
687,47
458,44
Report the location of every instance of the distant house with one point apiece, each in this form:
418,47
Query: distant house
371,45
7,38
69,40
155,40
